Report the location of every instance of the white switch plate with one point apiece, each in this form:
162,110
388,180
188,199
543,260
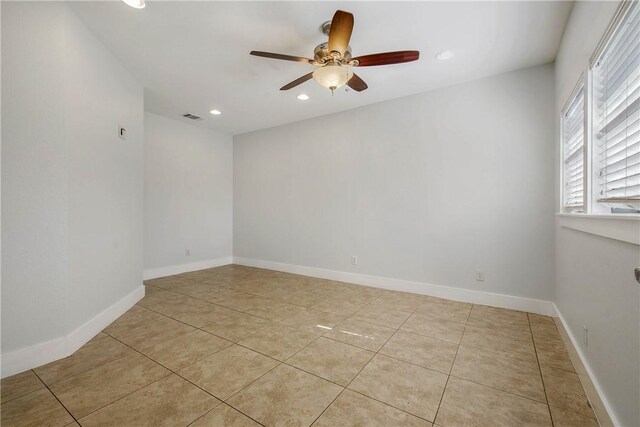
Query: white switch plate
122,132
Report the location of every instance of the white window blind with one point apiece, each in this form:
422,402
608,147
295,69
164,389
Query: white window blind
616,112
573,153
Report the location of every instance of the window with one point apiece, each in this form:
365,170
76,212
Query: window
600,124
573,153
616,116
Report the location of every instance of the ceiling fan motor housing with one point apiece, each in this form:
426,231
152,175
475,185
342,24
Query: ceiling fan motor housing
321,54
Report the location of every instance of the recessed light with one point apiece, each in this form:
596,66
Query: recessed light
136,4
445,54
216,112
303,97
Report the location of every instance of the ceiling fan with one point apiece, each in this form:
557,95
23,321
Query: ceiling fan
333,58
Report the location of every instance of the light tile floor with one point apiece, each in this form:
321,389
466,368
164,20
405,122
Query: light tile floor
241,346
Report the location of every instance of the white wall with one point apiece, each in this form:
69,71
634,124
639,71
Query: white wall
594,275
188,196
71,189
426,188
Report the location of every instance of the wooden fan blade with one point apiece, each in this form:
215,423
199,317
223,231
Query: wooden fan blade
340,32
280,56
356,83
388,58
296,82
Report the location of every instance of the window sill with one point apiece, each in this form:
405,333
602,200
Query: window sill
623,227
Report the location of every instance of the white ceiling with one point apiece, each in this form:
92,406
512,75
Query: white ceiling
194,56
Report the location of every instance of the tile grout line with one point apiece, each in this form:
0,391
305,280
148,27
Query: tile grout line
225,286
276,322
321,336
499,389
484,329
250,383
575,413
128,394
199,360
172,372
220,284
559,368
120,398
375,353
435,416
279,364
233,343
25,394
226,339
493,387
386,355
56,397
317,376
349,383
535,350
230,308
189,381
222,403
218,336
203,300
544,387
415,310
543,381
90,369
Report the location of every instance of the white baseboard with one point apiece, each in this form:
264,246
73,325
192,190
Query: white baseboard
170,270
599,402
458,294
40,354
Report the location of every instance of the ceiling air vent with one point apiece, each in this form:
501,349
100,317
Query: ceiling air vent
192,116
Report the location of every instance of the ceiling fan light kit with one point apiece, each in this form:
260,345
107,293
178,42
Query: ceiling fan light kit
333,76
333,58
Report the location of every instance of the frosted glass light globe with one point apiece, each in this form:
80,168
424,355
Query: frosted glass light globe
332,76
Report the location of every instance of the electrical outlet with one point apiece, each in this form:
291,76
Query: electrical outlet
480,276
187,252
586,336
354,260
